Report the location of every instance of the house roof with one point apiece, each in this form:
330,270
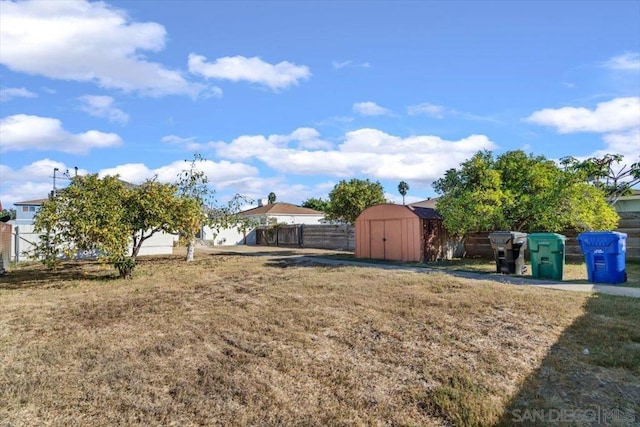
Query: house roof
281,209
428,203
36,202
635,194
425,213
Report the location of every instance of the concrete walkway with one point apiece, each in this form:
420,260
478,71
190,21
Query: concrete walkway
514,280
316,256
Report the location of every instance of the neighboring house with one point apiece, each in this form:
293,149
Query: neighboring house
23,226
25,211
629,203
264,214
283,213
428,203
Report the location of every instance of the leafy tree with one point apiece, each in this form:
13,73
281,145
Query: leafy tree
472,198
86,216
198,198
271,198
7,214
228,216
348,199
521,193
606,173
318,204
403,187
105,217
151,208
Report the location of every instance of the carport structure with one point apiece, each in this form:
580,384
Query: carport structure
400,233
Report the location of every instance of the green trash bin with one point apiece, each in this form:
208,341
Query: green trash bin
546,251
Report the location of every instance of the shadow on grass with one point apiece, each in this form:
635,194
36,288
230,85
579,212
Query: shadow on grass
590,376
256,253
35,275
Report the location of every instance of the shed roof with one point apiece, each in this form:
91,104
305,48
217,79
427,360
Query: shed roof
386,211
281,209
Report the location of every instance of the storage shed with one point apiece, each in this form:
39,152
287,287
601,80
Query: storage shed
400,233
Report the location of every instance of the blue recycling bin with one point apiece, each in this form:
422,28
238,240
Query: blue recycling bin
604,252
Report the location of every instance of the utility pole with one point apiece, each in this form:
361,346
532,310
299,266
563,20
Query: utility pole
54,179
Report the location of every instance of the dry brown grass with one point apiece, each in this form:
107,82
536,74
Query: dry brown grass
236,340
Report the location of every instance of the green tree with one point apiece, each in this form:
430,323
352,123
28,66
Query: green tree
151,208
271,198
228,216
472,198
105,217
7,214
606,173
87,216
198,198
403,187
519,192
349,198
318,204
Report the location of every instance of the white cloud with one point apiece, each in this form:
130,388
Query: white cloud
254,70
625,143
8,93
218,173
350,64
25,132
188,144
618,114
83,41
369,108
258,188
32,181
626,62
103,106
427,109
369,152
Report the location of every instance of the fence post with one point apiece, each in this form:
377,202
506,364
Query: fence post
16,245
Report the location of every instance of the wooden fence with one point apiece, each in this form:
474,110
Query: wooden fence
478,245
5,246
321,236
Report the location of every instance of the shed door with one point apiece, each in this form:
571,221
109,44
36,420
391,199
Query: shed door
377,239
386,239
393,240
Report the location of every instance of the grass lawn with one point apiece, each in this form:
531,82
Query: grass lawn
574,271
237,340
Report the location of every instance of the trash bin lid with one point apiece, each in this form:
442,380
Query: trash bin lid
602,239
550,241
505,237
546,236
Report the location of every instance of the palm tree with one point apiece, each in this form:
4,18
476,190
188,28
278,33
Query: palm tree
271,198
403,187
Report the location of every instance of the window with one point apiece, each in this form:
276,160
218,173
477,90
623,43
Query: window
32,208
25,209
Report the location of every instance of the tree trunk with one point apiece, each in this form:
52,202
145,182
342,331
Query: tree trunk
191,248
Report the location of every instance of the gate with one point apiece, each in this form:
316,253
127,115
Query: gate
23,240
279,235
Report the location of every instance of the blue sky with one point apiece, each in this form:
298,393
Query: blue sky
292,97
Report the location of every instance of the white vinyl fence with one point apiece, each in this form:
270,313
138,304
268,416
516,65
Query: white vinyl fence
23,240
